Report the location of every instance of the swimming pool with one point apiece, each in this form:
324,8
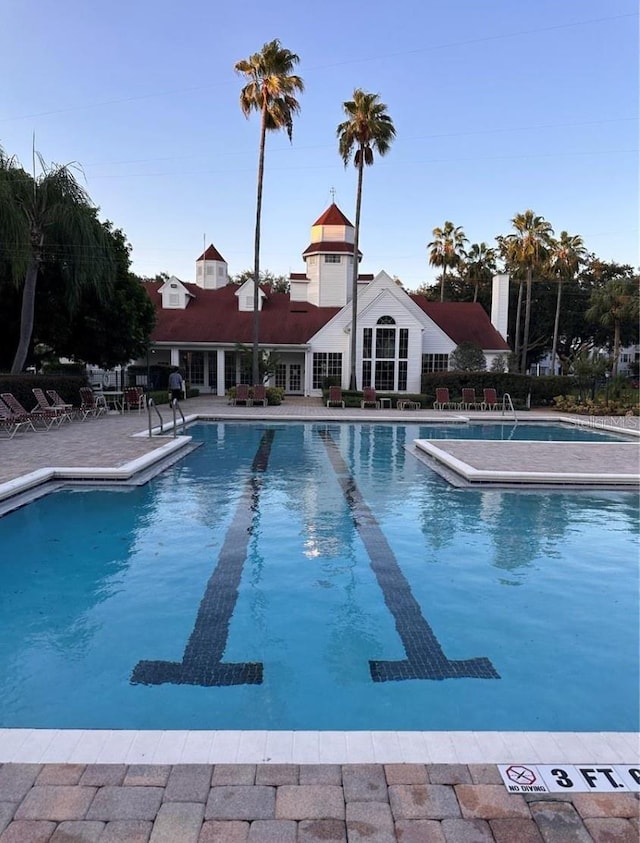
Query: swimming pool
317,576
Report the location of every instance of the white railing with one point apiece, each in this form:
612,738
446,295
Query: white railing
507,404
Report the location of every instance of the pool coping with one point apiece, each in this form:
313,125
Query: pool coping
115,746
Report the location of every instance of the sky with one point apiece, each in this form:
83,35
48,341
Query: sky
499,106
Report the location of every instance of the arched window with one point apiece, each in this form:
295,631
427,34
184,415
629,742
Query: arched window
385,351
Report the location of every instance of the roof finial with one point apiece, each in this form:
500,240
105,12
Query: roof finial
332,191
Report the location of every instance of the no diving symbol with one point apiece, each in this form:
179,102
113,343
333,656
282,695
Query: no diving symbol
520,775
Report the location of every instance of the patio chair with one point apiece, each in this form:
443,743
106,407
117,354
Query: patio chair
57,401
260,395
43,418
369,398
133,398
335,397
241,396
443,401
60,412
490,400
89,404
469,400
11,422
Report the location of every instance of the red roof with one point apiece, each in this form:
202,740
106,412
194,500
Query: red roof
211,254
463,322
298,276
333,216
212,316
329,246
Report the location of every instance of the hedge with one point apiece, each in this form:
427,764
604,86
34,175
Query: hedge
67,386
541,389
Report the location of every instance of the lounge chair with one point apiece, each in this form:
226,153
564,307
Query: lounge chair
11,422
335,397
43,418
241,396
89,404
260,395
369,398
490,400
57,401
443,401
60,411
469,400
133,398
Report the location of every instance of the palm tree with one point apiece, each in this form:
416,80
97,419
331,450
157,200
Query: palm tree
612,305
367,127
525,251
271,91
447,249
49,217
480,265
567,254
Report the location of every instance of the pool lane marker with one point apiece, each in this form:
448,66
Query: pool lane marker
425,657
202,661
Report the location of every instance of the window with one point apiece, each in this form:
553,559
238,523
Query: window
192,364
213,371
385,356
221,270
326,365
435,363
174,300
229,369
332,258
210,270
248,302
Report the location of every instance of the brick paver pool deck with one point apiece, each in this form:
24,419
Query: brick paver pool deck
411,802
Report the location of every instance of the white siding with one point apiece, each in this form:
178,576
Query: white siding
298,290
333,282
500,304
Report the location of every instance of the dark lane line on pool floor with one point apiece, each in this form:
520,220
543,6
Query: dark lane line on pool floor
425,657
202,661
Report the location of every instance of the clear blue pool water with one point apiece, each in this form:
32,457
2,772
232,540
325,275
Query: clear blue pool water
314,576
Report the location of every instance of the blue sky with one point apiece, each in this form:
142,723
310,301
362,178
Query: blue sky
499,106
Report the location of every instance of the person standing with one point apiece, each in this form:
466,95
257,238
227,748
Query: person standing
175,384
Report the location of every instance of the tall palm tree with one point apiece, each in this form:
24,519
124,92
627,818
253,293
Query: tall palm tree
480,265
368,127
612,305
49,217
447,249
271,91
567,253
525,251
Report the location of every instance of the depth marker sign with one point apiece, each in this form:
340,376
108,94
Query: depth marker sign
561,778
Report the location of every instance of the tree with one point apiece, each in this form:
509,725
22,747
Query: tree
567,253
468,357
271,91
479,265
447,249
368,127
525,251
46,216
108,330
612,305
267,362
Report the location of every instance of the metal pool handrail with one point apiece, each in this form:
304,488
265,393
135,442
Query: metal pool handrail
151,403
175,405
507,403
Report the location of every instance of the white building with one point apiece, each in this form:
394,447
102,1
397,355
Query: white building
400,335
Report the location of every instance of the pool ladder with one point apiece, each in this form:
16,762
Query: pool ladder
507,404
175,405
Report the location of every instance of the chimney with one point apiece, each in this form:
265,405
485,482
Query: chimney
500,304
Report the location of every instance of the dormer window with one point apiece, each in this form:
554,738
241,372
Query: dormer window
248,302
174,286
174,299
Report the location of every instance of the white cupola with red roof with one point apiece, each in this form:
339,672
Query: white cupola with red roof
211,270
329,260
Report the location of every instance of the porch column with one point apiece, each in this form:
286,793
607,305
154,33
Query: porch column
220,380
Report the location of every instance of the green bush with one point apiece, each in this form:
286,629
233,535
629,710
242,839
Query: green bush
275,394
67,386
541,389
